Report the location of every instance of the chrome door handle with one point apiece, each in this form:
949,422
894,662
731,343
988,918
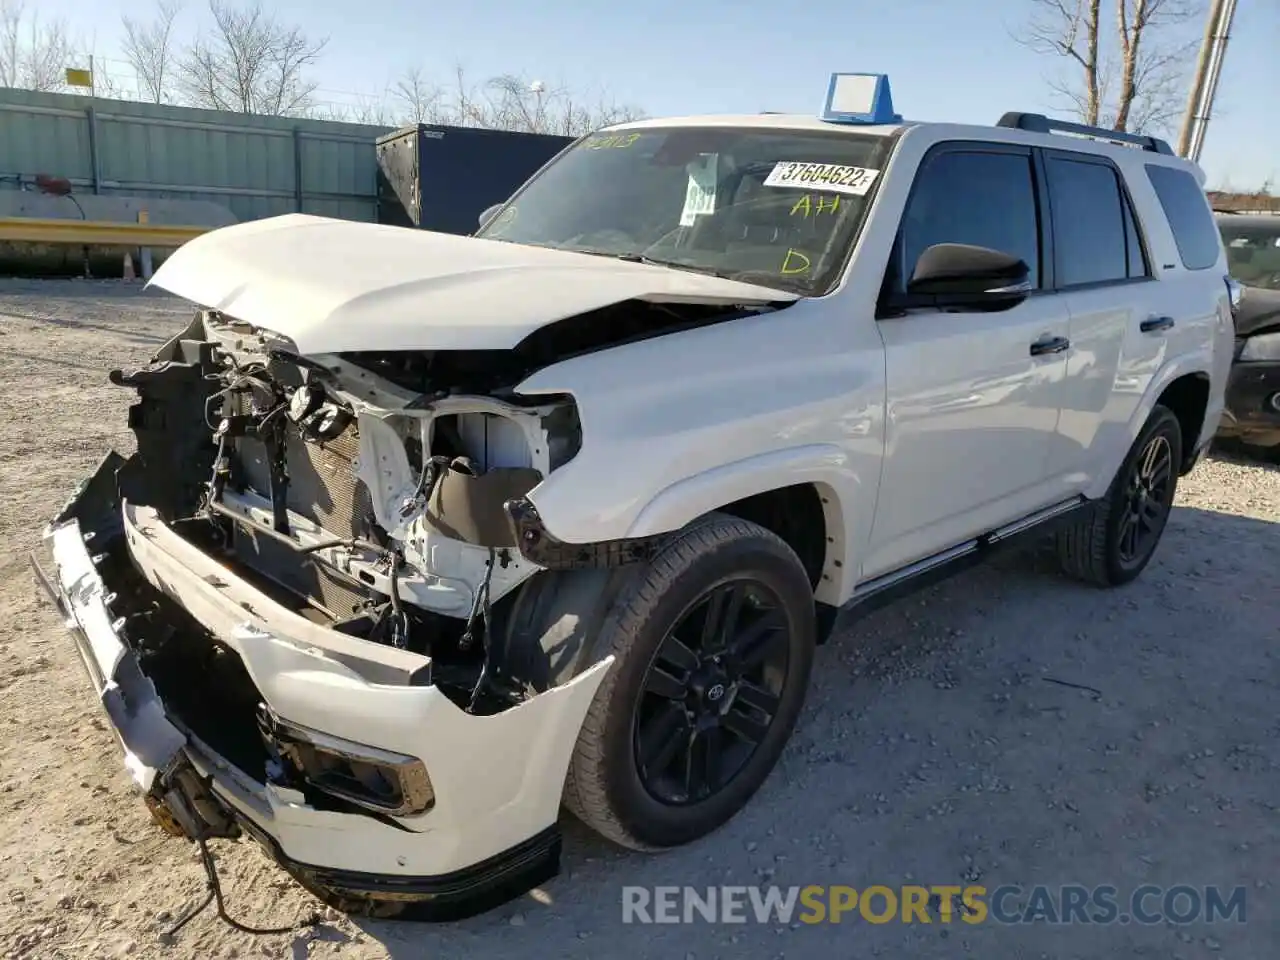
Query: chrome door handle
1047,345
1156,324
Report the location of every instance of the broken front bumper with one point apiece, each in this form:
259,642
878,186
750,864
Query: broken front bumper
494,782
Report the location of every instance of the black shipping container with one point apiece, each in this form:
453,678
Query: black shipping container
442,178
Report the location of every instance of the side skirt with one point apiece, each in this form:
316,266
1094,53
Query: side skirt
885,589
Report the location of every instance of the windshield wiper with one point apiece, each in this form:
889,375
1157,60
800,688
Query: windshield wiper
674,264
742,276
758,277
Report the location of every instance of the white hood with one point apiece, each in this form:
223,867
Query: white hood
332,286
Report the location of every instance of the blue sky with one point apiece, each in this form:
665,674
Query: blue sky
684,56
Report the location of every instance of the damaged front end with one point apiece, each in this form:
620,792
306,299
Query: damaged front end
298,601
353,486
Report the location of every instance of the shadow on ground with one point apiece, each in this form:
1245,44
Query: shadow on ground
1006,727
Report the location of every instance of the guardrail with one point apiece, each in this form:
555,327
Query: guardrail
95,232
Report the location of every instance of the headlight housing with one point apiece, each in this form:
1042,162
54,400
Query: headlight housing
377,780
1265,346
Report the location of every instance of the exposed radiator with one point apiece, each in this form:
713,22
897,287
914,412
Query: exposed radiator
323,486
324,489
327,589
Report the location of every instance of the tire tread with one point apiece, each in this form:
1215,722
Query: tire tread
584,790
1082,548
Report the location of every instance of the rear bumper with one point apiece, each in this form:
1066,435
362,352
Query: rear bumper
491,830
1251,412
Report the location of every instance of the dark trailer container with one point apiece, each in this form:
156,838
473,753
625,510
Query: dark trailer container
442,178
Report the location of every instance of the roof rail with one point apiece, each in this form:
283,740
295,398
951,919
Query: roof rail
1039,123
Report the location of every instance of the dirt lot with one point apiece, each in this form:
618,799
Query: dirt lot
936,747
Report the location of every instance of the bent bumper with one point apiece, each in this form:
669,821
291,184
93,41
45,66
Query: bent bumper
1252,409
453,896
496,780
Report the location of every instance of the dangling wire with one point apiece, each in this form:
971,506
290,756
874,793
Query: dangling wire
215,895
482,605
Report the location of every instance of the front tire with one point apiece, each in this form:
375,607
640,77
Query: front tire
1114,544
714,643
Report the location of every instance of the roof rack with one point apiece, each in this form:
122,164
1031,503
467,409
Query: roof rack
1039,123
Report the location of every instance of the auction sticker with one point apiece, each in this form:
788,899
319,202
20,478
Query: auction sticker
822,176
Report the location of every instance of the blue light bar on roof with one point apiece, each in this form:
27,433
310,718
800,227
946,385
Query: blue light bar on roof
859,98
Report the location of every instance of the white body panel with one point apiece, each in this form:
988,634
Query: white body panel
739,408
971,419
332,286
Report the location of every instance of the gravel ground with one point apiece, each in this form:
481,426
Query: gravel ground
936,747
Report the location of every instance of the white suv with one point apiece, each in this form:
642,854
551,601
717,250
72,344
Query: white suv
426,534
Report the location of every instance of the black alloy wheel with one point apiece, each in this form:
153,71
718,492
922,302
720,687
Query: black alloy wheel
1116,536
1149,499
711,692
713,643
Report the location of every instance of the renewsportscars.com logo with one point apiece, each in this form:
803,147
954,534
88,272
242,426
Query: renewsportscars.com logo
814,904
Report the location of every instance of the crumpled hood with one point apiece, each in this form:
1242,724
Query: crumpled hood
1259,312
332,286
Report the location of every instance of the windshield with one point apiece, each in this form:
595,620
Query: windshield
775,207
1253,253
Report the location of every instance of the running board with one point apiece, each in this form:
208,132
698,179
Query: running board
885,589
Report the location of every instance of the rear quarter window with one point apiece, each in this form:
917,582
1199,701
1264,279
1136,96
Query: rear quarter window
1187,210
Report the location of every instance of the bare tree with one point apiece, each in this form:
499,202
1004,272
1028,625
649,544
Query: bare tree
10,43
249,63
1127,60
511,102
370,110
417,100
34,54
514,103
148,46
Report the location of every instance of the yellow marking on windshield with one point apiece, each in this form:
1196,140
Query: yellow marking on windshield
615,141
809,205
794,262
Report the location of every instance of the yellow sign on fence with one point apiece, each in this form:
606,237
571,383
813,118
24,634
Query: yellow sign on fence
79,78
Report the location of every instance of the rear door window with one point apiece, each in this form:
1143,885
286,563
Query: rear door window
1189,215
1094,237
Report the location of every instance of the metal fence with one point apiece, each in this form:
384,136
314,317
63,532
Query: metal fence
257,166
1250,203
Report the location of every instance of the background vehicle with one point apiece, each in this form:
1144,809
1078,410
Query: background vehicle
1253,394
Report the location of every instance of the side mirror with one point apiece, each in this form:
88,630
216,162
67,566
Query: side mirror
962,276
489,213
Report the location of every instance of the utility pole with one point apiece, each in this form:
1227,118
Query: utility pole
1204,86
1197,81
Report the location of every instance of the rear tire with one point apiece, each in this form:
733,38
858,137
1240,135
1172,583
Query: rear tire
1118,538
714,643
